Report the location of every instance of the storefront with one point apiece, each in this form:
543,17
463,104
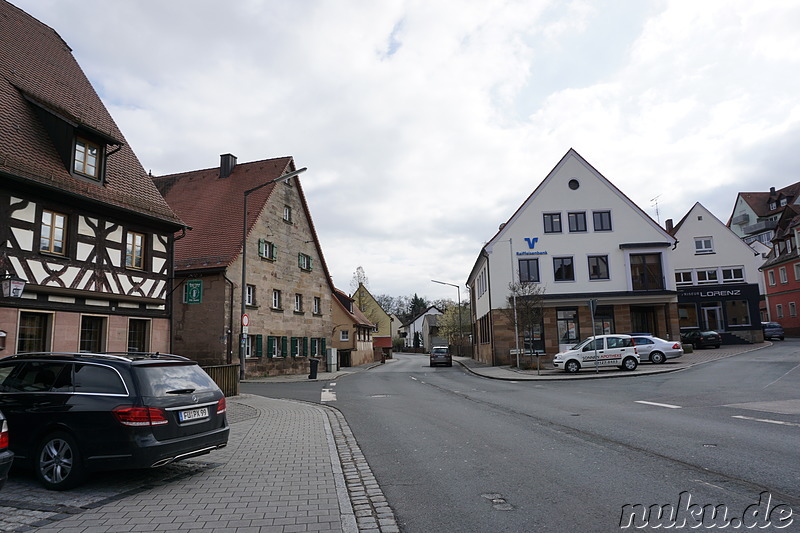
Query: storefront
723,308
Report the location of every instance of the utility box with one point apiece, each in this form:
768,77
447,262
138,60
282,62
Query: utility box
332,360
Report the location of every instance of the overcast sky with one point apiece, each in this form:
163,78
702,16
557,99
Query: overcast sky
424,124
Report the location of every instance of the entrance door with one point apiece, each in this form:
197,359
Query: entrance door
712,317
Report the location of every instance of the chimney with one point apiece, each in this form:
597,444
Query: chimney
668,223
226,164
772,191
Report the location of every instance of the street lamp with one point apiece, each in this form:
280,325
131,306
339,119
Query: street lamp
460,331
12,286
243,337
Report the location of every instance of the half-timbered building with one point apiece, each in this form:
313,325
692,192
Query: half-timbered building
80,220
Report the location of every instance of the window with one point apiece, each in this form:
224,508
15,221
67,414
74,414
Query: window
703,245
602,220
250,295
53,227
529,270
134,252
779,310
96,379
92,333
782,272
267,250
683,277
598,267
138,335
706,276
737,312
344,335
771,277
773,206
287,214
304,261
298,303
552,222
646,273
34,332
567,323
733,275
797,271
317,304
687,316
577,222
783,202
563,269
276,299
87,158
276,346
792,309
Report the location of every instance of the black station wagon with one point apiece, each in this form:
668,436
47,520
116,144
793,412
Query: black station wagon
73,413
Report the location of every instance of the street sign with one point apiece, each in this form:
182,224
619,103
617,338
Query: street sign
245,321
592,307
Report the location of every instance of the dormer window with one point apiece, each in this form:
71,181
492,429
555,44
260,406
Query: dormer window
783,201
87,158
773,206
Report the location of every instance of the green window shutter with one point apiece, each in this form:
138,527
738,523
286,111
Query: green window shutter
262,247
323,346
305,346
270,346
259,346
294,346
284,346
300,260
274,252
309,262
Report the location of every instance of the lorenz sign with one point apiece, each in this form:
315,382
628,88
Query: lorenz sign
713,293
746,292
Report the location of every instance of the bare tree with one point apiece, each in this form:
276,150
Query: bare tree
525,308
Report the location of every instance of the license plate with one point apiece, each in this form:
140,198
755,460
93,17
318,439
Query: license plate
193,414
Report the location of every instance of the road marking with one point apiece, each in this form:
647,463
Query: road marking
415,379
668,406
767,420
327,396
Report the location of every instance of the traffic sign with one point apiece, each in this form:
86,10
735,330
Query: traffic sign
245,320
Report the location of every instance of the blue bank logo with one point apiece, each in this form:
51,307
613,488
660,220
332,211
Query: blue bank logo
531,242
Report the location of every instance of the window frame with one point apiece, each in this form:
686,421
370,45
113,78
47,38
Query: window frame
602,220
344,335
711,276
287,214
528,278
783,275
98,342
52,229
131,248
731,272
563,261
593,277
276,299
576,222
682,282
551,220
250,295
298,302
317,305
98,164
144,334
706,245
304,262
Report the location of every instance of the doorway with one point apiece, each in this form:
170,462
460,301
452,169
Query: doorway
712,316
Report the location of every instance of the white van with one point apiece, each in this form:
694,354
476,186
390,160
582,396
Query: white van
602,350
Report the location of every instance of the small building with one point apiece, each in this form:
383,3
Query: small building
369,306
716,275
287,287
580,239
416,331
80,220
352,332
755,214
781,272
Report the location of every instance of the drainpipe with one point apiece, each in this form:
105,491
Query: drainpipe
228,334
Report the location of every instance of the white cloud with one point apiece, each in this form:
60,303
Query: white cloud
425,124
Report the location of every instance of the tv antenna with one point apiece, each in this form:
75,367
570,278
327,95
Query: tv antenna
654,202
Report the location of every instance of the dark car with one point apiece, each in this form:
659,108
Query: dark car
441,355
71,414
6,455
772,330
702,339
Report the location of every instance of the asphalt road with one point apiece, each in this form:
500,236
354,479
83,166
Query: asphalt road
455,452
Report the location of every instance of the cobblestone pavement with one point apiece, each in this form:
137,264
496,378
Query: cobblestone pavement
288,467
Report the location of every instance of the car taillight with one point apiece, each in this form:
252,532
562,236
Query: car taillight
3,435
140,416
676,346
222,406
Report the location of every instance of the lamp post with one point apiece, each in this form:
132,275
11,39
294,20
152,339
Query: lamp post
460,332
248,192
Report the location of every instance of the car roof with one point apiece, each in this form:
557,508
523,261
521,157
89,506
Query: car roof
125,357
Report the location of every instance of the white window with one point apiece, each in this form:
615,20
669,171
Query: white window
771,277
344,335
773,206
250,295
298,303
733,274
706,276
783,202
276,299
782,272
287,213
304,261
683,277
792,309
779,310
317,305
267,249
703,245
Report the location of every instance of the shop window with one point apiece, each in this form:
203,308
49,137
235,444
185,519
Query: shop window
34,332
738,312
604,320
687,315
567,323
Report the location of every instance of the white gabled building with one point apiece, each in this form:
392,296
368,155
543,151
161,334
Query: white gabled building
717,277
581,238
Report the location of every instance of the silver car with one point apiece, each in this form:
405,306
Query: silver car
655,349
441,355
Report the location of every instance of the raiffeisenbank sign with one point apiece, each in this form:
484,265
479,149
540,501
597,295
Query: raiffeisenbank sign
531,245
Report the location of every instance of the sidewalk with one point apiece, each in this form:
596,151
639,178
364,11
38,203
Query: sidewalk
548,373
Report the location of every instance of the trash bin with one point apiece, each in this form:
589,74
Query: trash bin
314,365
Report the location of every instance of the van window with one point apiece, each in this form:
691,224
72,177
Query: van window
97,379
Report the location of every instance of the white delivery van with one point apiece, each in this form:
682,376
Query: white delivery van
602,350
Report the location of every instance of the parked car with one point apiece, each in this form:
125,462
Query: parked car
6,455
441,355
702,339
80,412
602,350
772,330
655,349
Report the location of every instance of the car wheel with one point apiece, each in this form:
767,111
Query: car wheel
657,358
781,337
629,363
572,366
696,345
716,346
58,463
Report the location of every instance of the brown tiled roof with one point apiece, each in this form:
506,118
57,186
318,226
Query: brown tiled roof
38,70
759,201
356,314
